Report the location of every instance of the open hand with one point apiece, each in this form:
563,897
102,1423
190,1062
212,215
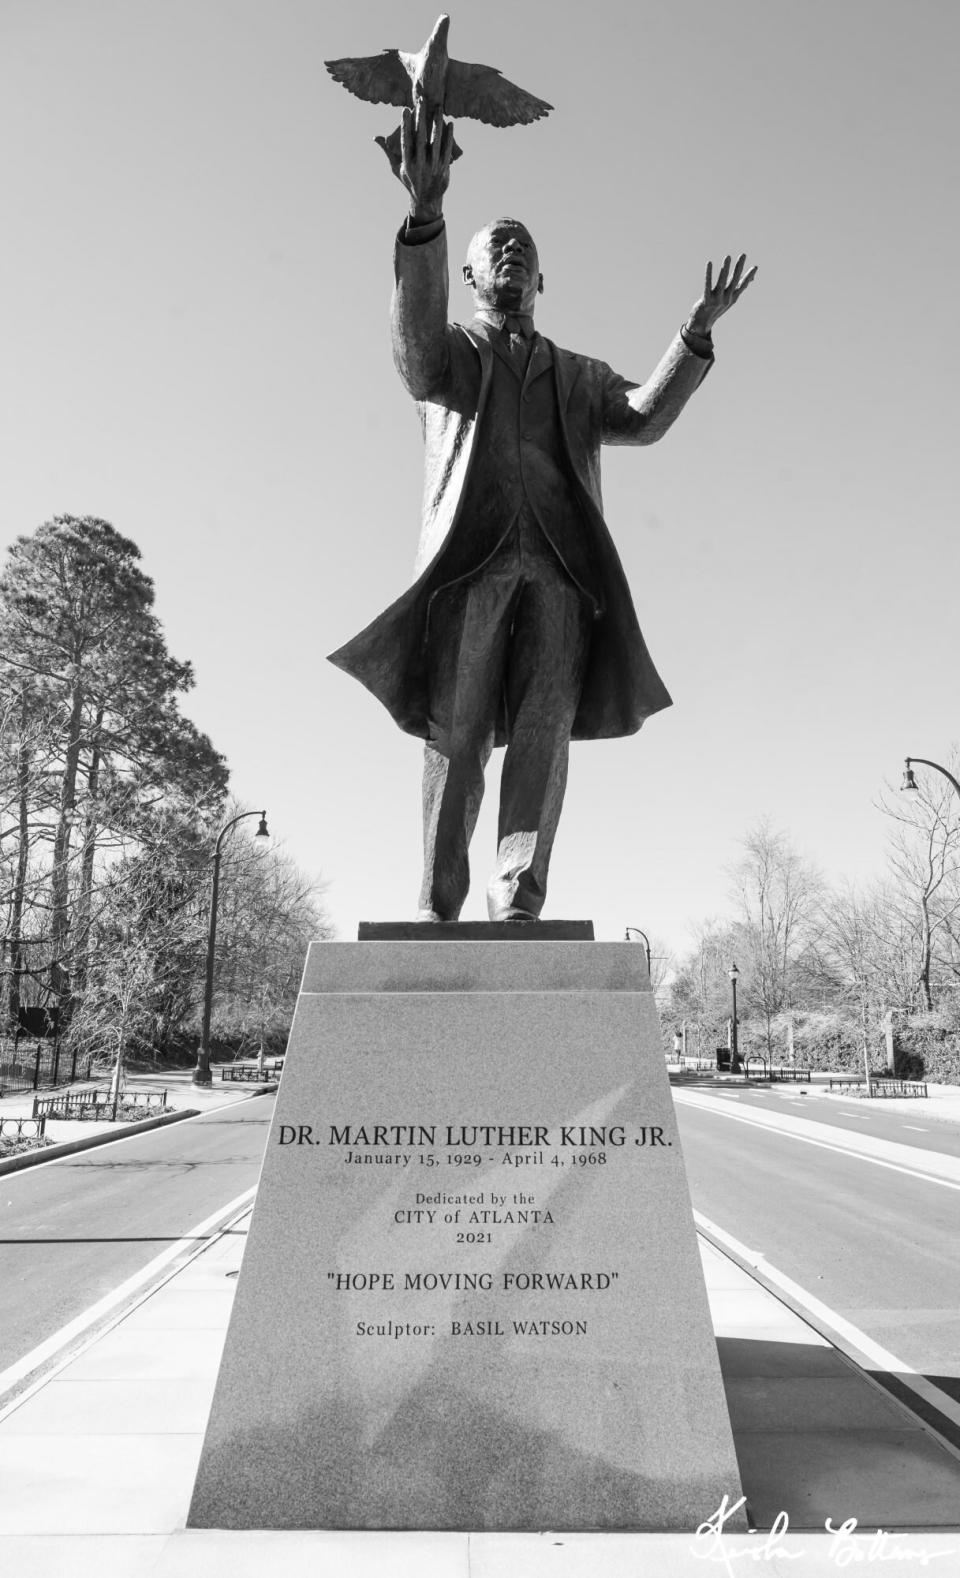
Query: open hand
718,298
426,148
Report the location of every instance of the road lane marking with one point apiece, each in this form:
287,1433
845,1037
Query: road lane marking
824,1145
51,1347
854,1342
914,1127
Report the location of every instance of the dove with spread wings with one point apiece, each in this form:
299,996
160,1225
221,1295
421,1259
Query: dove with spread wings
432,80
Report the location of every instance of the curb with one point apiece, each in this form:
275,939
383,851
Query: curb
50,1153
87,1329
918,1405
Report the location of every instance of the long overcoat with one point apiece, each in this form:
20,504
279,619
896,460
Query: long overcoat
448,371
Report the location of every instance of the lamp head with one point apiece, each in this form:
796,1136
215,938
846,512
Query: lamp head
734,973
909,782
262,829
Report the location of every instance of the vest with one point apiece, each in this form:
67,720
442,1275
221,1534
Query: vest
520,482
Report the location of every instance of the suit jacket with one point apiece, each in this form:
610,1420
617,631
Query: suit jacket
447,369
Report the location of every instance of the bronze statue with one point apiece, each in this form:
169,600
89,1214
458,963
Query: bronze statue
431,83
519,628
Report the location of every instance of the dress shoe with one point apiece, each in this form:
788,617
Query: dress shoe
429,916
514,914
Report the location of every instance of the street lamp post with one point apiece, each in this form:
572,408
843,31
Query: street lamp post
909,782
646,941
734,1047
201,1074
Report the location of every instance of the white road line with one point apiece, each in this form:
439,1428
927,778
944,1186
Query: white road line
914,1127
49,1349
825,1145
869,1352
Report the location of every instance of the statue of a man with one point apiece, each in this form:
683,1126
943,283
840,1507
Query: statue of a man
519,629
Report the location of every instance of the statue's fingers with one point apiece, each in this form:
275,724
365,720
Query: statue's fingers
751,274
722,276
436,136
708,280
406,135
738,269
446,152
396,162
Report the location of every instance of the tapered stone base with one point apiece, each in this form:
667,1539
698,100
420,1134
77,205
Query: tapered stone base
471,1297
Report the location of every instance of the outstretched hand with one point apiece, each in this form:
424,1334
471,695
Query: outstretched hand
719,298
426,149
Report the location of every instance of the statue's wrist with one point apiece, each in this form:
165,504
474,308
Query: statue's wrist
424,216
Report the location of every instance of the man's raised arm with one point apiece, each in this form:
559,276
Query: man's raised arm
419,307
642,413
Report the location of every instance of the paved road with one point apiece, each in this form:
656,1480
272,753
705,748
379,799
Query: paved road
907,1127
72,1230
878,1246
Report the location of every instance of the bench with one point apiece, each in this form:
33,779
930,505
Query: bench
800,1076
251,1072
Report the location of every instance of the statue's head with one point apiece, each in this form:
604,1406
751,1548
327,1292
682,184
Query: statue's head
502,267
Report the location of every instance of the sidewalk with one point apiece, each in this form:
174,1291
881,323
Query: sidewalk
97,1465
941,1103
182,1095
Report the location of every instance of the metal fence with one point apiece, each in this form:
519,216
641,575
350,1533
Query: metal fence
38,1065
23,1128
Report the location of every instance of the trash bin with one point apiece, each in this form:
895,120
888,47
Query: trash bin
723,1060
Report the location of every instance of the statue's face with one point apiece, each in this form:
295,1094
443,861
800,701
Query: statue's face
502,267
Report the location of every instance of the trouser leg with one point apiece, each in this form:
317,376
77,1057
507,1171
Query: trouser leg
446,864
470,632
544,678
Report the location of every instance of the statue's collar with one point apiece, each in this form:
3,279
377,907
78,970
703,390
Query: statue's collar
512,322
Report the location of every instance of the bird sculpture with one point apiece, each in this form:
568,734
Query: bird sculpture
431,82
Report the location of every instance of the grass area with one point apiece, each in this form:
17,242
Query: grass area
127,1112
12,1145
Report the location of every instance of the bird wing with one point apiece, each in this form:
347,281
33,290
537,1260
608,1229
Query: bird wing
380,79
481,93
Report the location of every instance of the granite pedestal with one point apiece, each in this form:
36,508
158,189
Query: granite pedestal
471,1297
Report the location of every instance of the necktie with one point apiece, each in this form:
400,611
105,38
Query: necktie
517,342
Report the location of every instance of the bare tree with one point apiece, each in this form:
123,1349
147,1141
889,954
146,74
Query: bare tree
859,945
925,862
777,894
700,988
269,912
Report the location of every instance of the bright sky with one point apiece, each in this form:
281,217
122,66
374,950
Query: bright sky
195,274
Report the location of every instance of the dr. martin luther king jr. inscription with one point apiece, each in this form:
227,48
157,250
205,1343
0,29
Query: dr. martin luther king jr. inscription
519,629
